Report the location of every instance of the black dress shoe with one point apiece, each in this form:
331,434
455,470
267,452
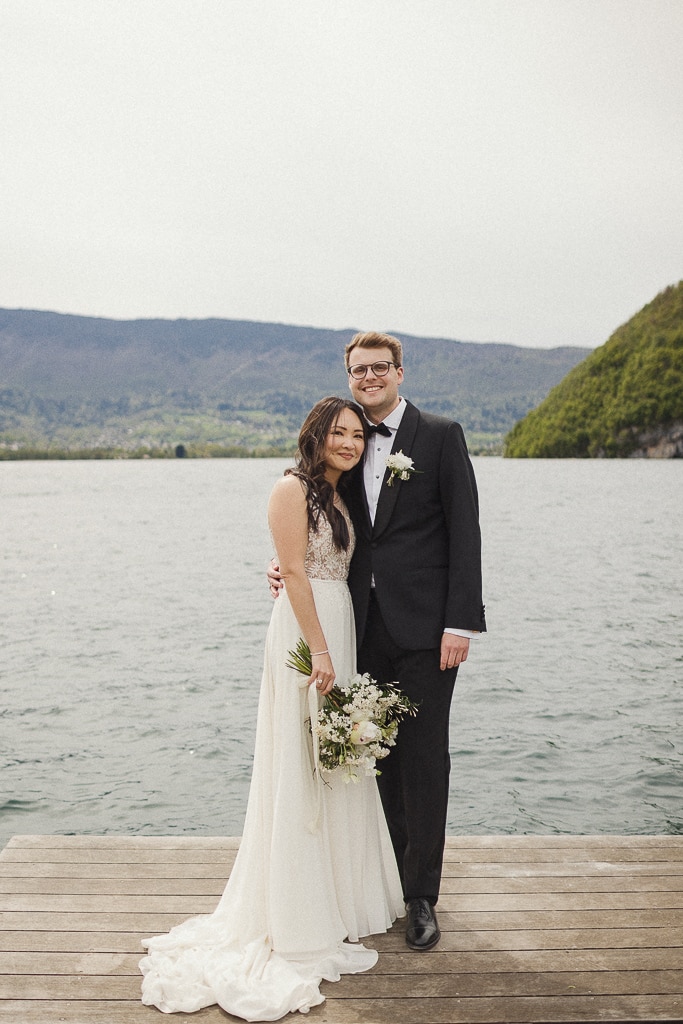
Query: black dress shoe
422,929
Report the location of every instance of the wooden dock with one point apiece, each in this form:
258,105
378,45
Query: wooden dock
535,928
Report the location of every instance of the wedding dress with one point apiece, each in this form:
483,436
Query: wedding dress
315,866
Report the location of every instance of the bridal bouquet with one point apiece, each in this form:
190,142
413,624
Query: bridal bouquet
358,722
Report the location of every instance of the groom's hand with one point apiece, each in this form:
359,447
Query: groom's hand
275,581
454,650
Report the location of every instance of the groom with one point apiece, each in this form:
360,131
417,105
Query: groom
415,581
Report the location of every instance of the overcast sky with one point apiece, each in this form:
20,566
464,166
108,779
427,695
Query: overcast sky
487,170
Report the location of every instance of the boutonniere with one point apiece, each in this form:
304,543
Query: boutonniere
400,466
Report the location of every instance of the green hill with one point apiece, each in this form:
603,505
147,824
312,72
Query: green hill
624,399
83,383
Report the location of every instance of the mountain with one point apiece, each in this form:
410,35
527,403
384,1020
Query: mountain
73,382
624,399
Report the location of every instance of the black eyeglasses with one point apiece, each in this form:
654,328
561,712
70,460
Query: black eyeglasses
380,369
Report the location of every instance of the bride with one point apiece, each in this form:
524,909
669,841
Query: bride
315,869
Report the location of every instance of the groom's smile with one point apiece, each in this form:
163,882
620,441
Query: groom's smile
376,391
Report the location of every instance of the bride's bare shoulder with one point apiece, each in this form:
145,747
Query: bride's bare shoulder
289,492
290,485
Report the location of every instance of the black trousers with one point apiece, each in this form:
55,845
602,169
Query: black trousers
414,780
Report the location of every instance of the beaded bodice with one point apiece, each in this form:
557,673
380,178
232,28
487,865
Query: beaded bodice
323,560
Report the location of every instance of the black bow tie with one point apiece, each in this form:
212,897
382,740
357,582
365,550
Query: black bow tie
378,428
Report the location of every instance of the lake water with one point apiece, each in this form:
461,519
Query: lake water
133,609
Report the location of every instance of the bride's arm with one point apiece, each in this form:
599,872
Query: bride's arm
288,520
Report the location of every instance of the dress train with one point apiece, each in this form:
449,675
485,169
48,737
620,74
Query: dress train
315,870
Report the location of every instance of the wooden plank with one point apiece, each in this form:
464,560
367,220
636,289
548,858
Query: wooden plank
86,942
115,886
561,884
390,964
528,849
117,855
536,960
75,963
607,855
75,870
553,938
484,1010
453,920
114,842
411,987
509,983
185,903
184,886
578,869
561,842
453,941
468,875
558,842
606,861
46,903
621,878
69,986
101,1012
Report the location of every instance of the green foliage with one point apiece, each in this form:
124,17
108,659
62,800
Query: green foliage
300,658
632,383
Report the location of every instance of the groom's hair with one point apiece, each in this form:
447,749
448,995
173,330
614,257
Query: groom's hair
373,339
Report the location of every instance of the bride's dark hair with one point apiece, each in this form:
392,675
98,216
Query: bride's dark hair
310,465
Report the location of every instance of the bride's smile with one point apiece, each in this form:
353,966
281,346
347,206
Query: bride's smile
344,445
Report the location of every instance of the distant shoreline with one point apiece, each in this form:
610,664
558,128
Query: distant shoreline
188,452
179,452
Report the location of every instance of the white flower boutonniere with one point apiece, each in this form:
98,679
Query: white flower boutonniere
401,466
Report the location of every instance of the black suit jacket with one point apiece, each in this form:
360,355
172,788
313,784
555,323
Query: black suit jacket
425,547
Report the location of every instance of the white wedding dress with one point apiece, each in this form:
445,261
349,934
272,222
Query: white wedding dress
315,865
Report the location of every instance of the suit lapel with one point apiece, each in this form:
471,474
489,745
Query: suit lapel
403,442
363,513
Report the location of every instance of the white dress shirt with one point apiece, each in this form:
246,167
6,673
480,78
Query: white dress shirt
379,450
374,469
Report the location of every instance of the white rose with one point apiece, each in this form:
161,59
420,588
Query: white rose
402,461
365,732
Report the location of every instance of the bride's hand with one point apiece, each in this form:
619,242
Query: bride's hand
323,675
